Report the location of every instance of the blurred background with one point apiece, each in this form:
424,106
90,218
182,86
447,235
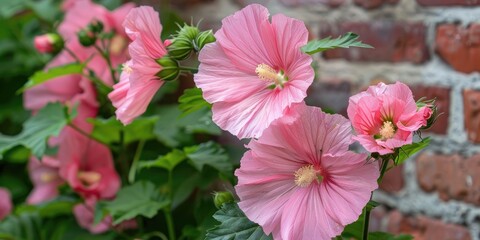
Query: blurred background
432,45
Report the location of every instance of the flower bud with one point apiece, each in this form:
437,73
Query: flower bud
188,32
429,110
180,48
86,37
48,43
203,38
96,26
170,69
222,197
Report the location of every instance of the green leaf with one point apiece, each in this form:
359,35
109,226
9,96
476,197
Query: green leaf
108,130
24,227
54,72
234,225
408,150
167,162
48,122
209,153
192,100
140,199
57,207
345,41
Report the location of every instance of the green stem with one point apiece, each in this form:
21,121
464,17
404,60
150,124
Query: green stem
86,134
136,158
154,234
105,54
188,69
383,170
171,228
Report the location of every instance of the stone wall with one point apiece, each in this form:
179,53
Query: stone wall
432,45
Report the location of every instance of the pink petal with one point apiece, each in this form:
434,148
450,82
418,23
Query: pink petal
6,204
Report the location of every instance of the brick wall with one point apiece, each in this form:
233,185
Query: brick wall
432,45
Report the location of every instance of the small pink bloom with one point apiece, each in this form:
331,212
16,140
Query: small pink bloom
85,214
255,70
45,178
139,82
6,204
385,117
87,166
44,43
167,42
299,181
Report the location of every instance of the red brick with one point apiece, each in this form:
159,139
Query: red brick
393,180
295,3
471,108
459,46
371,4
449,2
331,94
442,100
451,176
425,228
393,41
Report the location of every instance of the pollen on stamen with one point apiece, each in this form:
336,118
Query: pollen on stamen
305,175
269,74
387,130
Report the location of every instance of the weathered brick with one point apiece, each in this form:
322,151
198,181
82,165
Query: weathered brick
295,3
393,41
425,228
449,2
331,94
452,176
459,46
471,108
442,100
371,4
393,180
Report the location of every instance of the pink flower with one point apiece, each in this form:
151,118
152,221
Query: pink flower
255,70
85,213
299,181
87,166
385,117
6,204
45,177
139,82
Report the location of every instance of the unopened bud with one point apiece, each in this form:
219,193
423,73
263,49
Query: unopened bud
180,48
429,111
170,69
48,43
222,197
188,32
86,37
167,42
203,38
96,26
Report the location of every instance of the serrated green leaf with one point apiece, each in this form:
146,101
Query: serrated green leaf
346,41
108,130
408,150
48,122
234,225
209,153
192,100
167,162
140,199
52,73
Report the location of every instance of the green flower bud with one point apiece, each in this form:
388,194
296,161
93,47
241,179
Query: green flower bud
222,197
180,48
170,69
86,37
96,26
203,38
188,32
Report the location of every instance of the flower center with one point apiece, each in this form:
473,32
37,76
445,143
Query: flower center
48,177
387,130
127,68
305,175
269,74
89,178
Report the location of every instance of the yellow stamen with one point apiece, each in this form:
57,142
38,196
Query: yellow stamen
48,177
305,175
89,178
387,130
269,74
127,68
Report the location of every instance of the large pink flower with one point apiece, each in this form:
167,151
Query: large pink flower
299,181
385,117
255,70
45,177
87,166
6,204
138,82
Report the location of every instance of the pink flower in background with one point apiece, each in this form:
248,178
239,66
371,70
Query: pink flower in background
85,213
139,82
255,70
385,117
45,178
299,181
6,204
87,166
